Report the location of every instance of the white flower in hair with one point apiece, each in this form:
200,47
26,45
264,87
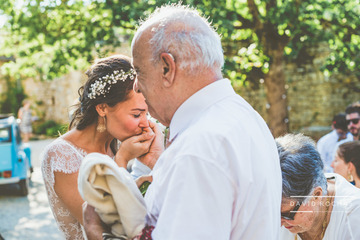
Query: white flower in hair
98,87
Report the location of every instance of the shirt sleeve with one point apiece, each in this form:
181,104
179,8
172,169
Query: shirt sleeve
139,169
60,157
195,185
320,148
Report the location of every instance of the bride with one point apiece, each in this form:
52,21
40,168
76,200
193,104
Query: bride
108,110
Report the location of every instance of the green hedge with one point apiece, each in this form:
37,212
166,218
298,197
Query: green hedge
50,128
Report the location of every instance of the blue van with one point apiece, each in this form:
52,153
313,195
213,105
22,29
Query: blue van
15,156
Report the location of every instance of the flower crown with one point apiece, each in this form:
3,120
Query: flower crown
98,87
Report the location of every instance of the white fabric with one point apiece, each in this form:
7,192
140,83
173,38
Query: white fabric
220,178
345,216
326,147
139,169
61,156
113,193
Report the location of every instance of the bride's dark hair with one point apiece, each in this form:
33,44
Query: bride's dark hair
85,113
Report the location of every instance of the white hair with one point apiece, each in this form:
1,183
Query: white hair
182,32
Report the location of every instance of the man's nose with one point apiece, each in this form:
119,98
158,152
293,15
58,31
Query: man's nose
282,221
135,86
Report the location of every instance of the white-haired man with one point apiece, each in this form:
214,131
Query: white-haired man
220,178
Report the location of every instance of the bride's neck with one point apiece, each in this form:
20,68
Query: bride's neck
90,140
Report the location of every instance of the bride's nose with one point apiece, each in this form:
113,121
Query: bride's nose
144,122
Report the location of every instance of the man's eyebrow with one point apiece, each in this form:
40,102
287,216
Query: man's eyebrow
138,109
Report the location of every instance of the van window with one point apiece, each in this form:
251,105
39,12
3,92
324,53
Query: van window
5,135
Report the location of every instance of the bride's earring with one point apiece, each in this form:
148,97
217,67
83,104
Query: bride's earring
101,127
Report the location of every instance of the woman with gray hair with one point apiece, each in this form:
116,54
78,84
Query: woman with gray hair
314,205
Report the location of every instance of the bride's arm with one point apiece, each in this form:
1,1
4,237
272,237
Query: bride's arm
66,188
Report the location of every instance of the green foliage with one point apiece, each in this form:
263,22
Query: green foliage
11,99
50,128
53,37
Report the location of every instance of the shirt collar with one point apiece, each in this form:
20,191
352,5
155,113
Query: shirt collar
195,104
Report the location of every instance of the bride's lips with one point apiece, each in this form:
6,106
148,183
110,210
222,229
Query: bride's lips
288,227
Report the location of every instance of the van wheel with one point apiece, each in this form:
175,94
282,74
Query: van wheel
24,187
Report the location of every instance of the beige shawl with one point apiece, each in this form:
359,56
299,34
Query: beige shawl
113,193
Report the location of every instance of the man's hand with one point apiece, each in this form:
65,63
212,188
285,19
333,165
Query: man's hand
156,148
134,147
92,223
145,178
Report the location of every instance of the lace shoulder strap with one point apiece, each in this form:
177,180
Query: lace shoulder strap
61,156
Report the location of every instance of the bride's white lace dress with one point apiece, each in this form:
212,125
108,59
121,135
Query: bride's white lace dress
62,156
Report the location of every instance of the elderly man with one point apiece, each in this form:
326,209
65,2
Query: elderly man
220,177
314,205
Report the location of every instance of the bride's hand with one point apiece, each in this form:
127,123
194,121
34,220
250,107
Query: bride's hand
134,147
156,148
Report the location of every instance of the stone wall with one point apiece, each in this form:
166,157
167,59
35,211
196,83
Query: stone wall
53,99
313,98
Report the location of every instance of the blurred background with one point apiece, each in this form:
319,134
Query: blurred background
295,61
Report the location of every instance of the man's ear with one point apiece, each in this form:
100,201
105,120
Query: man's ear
101,109
168,69
317,193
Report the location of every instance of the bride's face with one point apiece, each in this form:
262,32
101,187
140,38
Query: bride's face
127,118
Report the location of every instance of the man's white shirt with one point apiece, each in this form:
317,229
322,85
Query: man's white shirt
220,178
326,147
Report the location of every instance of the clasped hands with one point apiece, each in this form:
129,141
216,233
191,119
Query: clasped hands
146,147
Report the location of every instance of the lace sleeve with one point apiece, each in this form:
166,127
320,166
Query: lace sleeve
60,156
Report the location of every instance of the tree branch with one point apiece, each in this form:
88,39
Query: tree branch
254,11
243,27
328,24
270,5
245,23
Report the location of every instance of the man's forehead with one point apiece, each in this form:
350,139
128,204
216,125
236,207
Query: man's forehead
135,58
139,48
352,115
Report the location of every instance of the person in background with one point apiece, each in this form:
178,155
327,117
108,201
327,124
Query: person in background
347,162
314,205
219,177
353,120
25,116
352,112
327,143
108,110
